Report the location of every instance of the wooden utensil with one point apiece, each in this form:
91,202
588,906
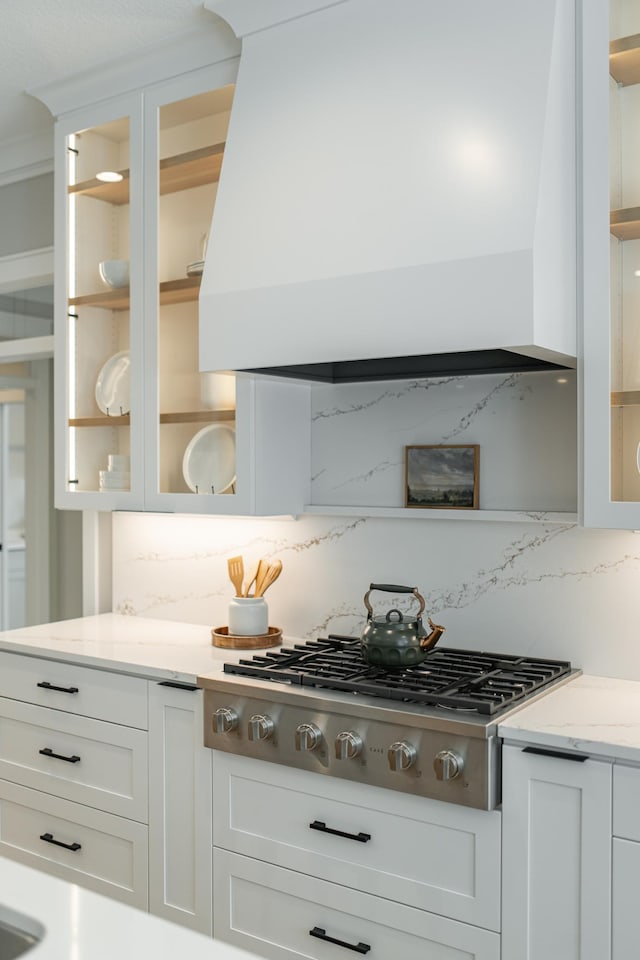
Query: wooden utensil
249,581
272,574
235,566
263,566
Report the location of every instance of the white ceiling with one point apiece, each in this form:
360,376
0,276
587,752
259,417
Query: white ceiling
45,40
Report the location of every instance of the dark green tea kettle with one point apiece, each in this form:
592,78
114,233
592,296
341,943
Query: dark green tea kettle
395,640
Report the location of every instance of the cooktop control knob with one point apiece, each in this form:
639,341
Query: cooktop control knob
447,765
225,720
401,755
348,745
308,736
260,727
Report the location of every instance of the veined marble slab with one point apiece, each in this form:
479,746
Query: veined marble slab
595,715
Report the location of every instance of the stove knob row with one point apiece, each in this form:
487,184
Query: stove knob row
225,720
447,765
401,755
308,736
348,745
261,727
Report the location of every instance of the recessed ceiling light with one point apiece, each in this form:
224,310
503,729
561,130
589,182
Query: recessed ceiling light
562,380
109,176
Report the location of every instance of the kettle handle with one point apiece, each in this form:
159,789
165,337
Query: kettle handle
392,588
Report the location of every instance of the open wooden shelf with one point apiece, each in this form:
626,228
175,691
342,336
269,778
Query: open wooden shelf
186,416
182,172
625,398
624,60
625,224
171,291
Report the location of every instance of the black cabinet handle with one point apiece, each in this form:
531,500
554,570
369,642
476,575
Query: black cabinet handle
320,825
68,846
322,935
49,686
178,685
47,752
558,754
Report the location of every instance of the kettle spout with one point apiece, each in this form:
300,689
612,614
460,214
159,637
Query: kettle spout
428,642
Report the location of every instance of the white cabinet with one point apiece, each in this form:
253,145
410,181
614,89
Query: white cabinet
625,862
73,769
556,841
610,81
362,863
179,807
137,425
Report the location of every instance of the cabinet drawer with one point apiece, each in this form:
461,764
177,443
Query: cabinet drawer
271,911
112,854
625,916
436,856
89,761
82,690
626,802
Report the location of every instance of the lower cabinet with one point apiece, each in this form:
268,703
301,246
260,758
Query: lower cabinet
179,807
309,866
279,914
626,862
556,842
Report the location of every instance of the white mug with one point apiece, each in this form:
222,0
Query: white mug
248,617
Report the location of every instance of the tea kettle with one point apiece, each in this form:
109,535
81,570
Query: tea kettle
395,640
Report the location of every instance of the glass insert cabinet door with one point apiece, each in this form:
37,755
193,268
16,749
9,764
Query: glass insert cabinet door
99,345
609,128
191,448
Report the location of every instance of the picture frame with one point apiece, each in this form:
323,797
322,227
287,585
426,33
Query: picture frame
442,476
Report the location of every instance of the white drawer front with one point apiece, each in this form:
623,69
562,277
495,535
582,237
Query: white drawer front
436,856
626,802
103,765
82,690
271,911
112,856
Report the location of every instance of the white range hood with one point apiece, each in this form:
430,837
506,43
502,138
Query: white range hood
398,190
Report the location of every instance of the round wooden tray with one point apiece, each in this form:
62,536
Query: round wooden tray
220,637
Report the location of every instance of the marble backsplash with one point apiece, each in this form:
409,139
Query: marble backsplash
541,588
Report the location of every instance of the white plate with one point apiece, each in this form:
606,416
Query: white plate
112,385
209,462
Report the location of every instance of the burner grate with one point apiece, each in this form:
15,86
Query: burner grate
448,677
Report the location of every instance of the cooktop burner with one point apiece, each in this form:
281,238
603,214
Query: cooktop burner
448,677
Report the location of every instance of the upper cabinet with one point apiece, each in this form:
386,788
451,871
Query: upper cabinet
610,38
138,426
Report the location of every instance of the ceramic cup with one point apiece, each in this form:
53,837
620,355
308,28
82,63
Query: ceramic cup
248,617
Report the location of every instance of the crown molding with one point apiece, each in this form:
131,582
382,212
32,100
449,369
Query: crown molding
183,53
250,16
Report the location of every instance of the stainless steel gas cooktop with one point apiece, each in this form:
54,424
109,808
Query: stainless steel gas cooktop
428,729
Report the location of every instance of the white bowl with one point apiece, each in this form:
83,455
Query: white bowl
115,273
114,480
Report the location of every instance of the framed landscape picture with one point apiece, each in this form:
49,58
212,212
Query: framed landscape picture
442,477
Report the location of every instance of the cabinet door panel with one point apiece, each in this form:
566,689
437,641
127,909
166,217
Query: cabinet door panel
271,910
179,808
556,857
626,917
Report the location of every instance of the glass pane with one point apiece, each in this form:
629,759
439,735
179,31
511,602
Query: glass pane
26,313
197,418
98,317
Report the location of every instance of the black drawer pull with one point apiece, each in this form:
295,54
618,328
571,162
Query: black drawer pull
540,752
47,752
178,685
68,846
322,935
49,686
319,825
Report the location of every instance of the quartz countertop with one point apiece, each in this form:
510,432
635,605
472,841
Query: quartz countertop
139,646
76,924
595,715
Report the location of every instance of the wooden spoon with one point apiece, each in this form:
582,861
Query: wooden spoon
271,575
263,566
249,581
235,566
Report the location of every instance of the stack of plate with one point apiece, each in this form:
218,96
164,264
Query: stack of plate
117,476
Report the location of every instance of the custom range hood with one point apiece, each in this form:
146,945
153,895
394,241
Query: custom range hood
398,191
